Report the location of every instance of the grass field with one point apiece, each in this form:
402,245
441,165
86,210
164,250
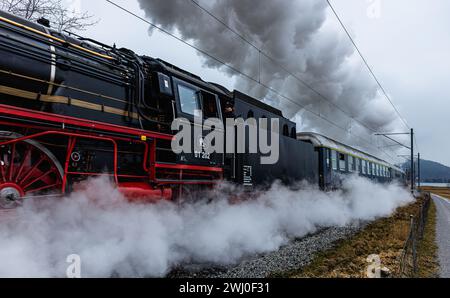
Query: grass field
385,237
443,192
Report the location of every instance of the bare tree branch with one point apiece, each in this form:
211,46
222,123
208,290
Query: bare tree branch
61,17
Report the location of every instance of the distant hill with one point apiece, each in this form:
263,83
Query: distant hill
432,171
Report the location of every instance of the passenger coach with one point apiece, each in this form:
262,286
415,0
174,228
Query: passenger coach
337,160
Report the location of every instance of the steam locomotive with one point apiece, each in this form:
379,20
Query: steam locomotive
73,108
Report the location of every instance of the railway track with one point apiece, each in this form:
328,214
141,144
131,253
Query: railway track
294,255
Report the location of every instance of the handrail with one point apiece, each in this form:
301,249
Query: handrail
51,37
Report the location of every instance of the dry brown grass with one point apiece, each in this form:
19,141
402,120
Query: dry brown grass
443,192
428,263
384,237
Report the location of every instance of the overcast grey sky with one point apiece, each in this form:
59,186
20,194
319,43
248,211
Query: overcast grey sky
407,45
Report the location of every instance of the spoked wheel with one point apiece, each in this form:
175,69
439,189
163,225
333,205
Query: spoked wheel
27,169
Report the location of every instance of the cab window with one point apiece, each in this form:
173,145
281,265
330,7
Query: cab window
189,100
209,103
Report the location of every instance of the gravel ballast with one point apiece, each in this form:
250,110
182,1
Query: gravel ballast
295,255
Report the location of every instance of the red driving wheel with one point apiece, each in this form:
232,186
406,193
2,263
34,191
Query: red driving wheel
27,169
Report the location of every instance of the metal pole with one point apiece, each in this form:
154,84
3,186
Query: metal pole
418,169
412,160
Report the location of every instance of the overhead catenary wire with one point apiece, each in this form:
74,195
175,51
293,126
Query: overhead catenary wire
284,68
367,64
273,60
383,90
234,69
416,143
249,77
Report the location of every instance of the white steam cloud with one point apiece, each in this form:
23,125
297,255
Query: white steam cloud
116,238
302,36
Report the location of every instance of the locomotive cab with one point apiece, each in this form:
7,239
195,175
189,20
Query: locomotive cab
192,102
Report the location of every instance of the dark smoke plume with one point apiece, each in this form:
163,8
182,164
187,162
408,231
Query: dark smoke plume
302,36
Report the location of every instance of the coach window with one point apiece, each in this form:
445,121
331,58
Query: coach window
189,101
342,162
334,160
250,115
358,165
351,164
327,157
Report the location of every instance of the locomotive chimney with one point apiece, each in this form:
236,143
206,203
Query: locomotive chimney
44,22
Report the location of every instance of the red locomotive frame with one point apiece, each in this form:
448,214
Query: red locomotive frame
155,189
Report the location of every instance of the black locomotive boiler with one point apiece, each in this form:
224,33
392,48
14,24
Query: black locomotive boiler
73,108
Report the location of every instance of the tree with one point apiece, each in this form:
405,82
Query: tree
61,16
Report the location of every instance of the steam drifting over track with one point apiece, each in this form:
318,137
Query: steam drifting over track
114,237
